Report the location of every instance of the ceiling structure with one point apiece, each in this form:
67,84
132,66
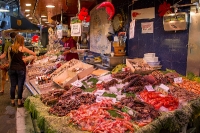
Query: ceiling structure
38,12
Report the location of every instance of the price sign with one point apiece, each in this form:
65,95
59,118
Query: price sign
164,87
99,92
100,98
178,80
77,83
149,88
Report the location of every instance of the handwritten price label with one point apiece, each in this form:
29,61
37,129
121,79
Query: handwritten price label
178,80
77,83
99,92
164,87
149,88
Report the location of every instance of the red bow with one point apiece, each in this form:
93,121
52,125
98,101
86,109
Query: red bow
164,8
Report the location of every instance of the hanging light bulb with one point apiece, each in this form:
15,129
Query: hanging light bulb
3,7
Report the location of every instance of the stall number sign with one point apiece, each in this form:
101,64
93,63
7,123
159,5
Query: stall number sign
175,17
178,80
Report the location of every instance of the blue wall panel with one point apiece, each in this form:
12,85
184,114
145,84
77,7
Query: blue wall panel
170,47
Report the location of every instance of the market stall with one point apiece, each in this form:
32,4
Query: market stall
137,98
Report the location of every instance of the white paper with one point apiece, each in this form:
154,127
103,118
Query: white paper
77,83
99,92
146,13
164,87
132,29
76,29
178,80
59,33
147,27
100,98
149,88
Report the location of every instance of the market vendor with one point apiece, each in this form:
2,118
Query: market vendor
70,48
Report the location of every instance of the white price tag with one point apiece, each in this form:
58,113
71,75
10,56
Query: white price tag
178,80
100,98
77,83
149,88
164,87
99,92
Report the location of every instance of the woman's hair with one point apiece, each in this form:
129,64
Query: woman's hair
19,41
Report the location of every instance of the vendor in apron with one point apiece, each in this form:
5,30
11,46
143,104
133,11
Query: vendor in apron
70,49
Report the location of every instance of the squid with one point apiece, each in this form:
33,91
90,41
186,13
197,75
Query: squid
110,10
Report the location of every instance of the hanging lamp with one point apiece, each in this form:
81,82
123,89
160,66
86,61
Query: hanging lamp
4,7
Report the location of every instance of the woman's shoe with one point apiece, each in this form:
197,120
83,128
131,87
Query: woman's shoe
13,104
2,92
20,105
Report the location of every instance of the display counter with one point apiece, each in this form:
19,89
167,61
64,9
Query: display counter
36,90
142,103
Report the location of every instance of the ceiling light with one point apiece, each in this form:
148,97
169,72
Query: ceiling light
30,18
3,7
27,10
28,4
46,22
44,19
27,15
43,16
50,6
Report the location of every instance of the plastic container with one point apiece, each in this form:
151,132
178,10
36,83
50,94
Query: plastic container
151,59
154,63
149,55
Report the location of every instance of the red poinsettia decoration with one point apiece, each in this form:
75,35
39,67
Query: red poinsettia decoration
83,15
164,8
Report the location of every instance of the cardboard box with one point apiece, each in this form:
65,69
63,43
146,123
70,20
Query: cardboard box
85,69
66,78
64,67
128,64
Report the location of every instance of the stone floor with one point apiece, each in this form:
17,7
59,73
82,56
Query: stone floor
7,112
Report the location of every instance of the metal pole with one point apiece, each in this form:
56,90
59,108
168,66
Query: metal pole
61,17
79,6
40,30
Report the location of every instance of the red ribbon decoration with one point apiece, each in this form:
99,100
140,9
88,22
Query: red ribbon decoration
110,10
164,8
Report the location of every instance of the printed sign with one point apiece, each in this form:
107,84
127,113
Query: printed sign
164,87
76,29
77,83
149,88
147,27
99,92
178,80
146,13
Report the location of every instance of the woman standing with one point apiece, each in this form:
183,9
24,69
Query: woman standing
17,71
4,61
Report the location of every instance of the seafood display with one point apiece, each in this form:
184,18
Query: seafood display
51,97
182,94
189,85
138,65
110,83
98,119
63,107
158,100
145,112
115,102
